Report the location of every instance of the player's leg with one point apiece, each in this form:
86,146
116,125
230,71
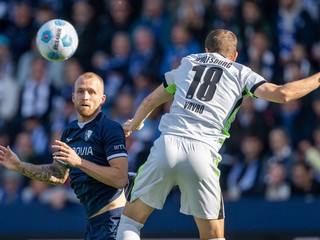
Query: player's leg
201,197
151,187
132,220
210,228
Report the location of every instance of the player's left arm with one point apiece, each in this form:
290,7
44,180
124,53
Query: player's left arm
159,96
116,175
289,91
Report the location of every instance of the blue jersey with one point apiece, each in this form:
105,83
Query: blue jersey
98,141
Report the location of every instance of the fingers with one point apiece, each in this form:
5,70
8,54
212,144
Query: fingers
60,146
3,151
127,133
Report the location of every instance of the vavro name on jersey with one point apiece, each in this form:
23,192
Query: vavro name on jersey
197,108
83,151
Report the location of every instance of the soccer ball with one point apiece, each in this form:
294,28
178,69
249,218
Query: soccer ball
57,40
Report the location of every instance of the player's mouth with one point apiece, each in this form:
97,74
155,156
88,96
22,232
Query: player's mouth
85,105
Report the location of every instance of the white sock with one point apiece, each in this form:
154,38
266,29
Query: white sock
217,239
128,229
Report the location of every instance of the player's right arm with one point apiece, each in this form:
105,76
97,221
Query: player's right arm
55,173
289,91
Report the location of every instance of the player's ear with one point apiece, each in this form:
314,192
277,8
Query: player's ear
104,97
206,50
73,97
235,56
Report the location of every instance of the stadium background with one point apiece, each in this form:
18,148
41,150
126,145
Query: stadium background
271,165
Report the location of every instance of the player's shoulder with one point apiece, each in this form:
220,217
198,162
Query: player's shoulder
105,121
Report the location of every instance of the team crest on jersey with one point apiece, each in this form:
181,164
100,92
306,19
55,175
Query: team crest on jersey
87,135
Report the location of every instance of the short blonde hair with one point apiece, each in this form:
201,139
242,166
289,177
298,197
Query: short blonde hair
88,75
222,41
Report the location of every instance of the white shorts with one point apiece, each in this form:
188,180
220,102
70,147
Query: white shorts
189,164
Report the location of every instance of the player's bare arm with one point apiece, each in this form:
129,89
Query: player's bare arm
116,175
289,91
155,99
54,173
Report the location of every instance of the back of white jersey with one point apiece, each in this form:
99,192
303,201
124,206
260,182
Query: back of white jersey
209,92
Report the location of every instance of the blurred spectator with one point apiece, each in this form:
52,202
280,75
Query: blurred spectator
54,70
4,14
23,146
123,108
7,66
192,14
35,191
72,70
11,189
134,147
87,27
145,53
312,116
113,67
260,57
65,115
9,89
303,182
38,94
281,150
57,197
300,56
143,84
5,140
312,154
39,134
43,14
154,16
119,19
248,120
244,178
277,187
20,30
291,116
252,20
182,44
293,25
223,14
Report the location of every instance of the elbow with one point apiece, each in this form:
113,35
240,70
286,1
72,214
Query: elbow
284,96
122,182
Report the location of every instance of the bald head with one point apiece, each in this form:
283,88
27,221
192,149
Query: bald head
222,41
90,75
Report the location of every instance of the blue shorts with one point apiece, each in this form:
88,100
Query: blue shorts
104,226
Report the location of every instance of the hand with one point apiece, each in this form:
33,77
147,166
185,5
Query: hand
66,154
127,127
9,159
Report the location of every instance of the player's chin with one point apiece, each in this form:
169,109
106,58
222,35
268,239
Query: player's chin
85,111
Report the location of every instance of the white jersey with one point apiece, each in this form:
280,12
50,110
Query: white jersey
209,90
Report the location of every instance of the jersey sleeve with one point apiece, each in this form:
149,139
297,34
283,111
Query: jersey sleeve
168,82
253,81
114,142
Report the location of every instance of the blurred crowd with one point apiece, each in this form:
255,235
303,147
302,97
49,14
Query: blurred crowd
274,150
